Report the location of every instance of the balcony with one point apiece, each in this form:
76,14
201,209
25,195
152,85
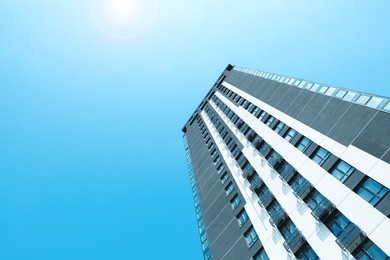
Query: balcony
278,218
266,200
247,172
323,210
294,242
303,190
255,184
286,173
351,238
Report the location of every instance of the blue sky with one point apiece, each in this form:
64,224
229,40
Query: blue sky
92,164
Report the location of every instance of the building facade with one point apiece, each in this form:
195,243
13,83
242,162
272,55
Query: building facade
284,168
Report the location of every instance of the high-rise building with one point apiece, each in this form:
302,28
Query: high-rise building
285,168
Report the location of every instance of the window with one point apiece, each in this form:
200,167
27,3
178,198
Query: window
235,201
217,159
342,170
242,217
306,253
264,193
270,120
273,157
229,189
251,236
314,199
320,155
279,127
370,251
262,114
371,190
288,229
213,152
284,168
224,177
290,134
255,110
303,144
220,168
337,223
274,209
297,182
261,255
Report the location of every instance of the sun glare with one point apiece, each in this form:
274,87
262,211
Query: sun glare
123,8
123,19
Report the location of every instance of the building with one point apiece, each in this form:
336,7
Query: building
284,168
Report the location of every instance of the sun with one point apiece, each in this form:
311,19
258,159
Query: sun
123,8
123,19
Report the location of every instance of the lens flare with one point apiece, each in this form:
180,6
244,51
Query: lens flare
123,19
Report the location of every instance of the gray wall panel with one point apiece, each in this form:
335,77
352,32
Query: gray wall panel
375,138
313,108
330,115
351,123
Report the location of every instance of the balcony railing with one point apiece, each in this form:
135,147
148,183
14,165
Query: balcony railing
351,238
255,184
278,218
294,242
286,173
323,210
303,190
247,172
264,201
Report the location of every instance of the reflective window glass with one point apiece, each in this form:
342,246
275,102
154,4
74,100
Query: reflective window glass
370,190
342,170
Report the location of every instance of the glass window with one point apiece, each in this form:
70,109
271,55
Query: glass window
303,144
261,255
370,251
229,189
313,199
320,155
374,102
341,93
298,182
315,87
323,89
220,168
308,85
337,223
269,120
302,84
274,209
296,82
342,170
242,217
371,190
263,193
349,96
261,115
387,107
217,159
288,229
235,201
306,253
290,134
362,99
224,177
251,236
279,127
330,91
